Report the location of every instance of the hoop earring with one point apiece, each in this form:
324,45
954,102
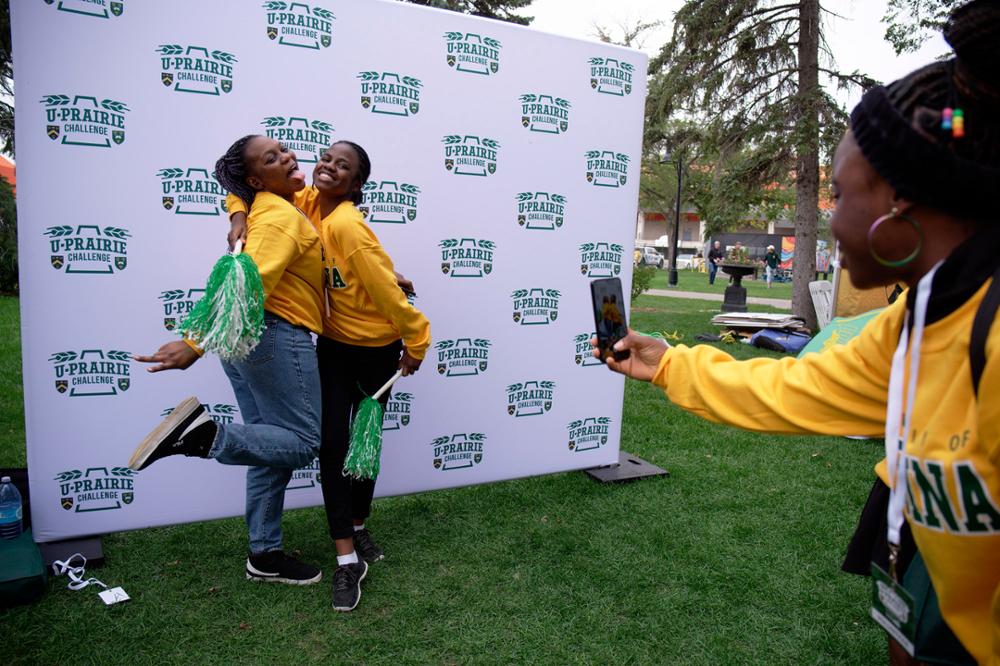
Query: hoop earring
894,213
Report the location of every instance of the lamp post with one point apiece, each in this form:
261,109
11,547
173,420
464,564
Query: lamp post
678,158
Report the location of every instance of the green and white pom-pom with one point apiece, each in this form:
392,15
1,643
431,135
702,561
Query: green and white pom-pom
229,319
365,453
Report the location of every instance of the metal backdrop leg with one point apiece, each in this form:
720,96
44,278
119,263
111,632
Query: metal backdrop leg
628,468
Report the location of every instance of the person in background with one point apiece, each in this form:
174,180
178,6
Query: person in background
913,185
714,258
770,264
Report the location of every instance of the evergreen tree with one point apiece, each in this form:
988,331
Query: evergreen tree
910,22
749,72
502,10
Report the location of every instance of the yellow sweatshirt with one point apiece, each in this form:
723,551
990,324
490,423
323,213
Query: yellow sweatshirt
287,251
953,471
367,307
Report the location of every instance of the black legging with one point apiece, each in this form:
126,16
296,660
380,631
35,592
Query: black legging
347,374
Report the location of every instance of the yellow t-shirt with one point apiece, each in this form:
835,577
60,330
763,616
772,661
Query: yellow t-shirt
953,470
367,307
288,253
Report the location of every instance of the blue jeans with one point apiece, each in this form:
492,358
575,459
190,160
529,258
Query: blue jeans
278,391
712,269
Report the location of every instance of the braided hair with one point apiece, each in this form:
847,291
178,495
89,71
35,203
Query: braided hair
364,168
900,127
231,170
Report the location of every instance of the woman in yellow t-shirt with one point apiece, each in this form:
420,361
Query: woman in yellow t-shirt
277,386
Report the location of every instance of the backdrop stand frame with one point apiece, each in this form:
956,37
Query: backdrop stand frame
90,547
628,468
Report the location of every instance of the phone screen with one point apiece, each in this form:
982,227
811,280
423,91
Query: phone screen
609,316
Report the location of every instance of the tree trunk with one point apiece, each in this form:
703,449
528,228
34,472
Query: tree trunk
807,163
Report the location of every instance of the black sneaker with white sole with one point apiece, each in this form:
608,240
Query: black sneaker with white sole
367,548
187,430
347,585
275,566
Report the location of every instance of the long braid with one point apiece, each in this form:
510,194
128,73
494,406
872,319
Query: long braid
364,168
231,170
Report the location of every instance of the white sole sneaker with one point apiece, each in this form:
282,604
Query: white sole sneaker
345,609
255,574
177,419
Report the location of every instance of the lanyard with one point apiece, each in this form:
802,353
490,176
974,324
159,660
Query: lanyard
895,442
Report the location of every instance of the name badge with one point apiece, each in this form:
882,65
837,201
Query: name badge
892,608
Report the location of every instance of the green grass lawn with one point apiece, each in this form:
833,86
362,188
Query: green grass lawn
732,559
688,280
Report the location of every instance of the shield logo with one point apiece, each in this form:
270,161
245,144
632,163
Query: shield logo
482,366
57,261
604,439
478,458
618,269
579,359
325,40
492,167
622,179
572,445
583,269
559,221
405,419
494,66
488,268
414,107
168,202
517,317
437,463
445,268
363,210
411,214
62,385
118,136
52,131
127,497
563,125
525,121
124,383
521,219
553,315
590,176
227,85
510,409
449,164
121,262
451,61
169,323
166,78
117,8
628,88
441,368
67,503
548,405
366,101
272,32
593,84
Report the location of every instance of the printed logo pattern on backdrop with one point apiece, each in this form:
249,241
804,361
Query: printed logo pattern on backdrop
465,127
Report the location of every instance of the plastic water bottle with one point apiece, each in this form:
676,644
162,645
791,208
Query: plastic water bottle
10,510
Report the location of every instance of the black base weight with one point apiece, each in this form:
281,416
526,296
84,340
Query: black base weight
628,468
89,547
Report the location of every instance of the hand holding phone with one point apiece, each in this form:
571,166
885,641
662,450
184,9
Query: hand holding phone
609,316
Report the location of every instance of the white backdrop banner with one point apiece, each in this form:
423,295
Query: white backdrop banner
505,177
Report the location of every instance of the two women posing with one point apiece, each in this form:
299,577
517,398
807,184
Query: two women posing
324,272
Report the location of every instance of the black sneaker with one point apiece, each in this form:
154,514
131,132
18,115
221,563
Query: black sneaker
367,548
347,585
188,430
276,567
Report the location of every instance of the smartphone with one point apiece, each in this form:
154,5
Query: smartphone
609,316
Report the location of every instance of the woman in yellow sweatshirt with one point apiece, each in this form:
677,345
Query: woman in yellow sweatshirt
915,182
370,331
277,386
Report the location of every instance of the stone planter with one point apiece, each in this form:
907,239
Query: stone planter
736,294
